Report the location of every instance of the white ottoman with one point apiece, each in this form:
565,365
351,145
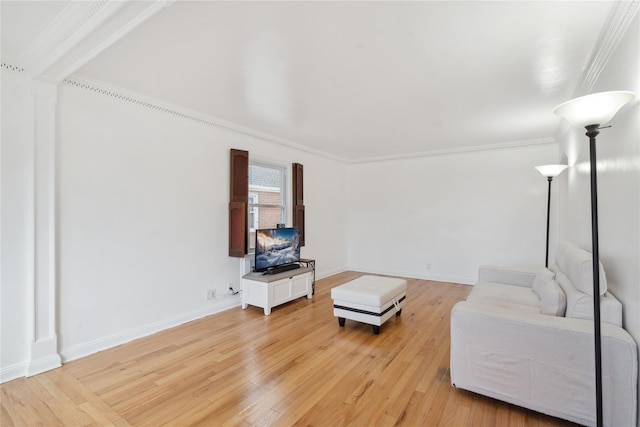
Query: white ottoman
369,299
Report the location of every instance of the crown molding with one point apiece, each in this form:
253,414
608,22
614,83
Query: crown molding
614,29
460,150
120,94
73,39
132,97
82,31
75,21
123,21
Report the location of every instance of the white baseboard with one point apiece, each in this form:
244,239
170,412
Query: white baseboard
42,361
43,365
12,372
413,275
28,369
326,273
24,369
86,349
76,352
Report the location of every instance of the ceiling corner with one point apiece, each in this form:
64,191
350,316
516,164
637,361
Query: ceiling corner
80,32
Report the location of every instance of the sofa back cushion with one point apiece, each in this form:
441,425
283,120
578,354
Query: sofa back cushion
580,305
578,265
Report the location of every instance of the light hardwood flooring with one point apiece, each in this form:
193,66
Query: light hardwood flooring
294,367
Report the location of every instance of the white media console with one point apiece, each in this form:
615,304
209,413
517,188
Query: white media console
270,290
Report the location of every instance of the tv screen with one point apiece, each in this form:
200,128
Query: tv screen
276,246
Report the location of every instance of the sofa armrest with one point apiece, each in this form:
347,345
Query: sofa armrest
507,275
544,363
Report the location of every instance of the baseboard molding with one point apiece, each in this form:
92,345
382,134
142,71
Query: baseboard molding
76,352
27,369
13,372
43,365
327,273
86,349
414,275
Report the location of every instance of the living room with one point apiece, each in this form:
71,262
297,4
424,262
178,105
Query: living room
114,203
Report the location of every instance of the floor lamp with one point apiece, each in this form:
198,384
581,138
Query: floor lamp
591,112
550,171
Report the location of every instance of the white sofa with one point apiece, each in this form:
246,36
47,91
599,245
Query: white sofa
526,337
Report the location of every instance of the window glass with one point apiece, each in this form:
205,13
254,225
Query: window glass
266,208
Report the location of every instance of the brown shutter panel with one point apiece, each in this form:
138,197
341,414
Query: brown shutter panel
298,199
238,201
298,187
298,221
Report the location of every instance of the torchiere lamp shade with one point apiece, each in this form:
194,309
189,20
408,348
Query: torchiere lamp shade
594,109
551,171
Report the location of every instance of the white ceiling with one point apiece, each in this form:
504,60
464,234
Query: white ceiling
355,80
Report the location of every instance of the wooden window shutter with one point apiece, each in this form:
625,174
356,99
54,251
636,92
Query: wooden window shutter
298,199
238,202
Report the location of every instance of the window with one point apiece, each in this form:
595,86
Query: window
266,207
257,196
253,212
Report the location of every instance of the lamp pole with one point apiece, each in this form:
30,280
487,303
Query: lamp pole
550,171
546,255
591,112
592,132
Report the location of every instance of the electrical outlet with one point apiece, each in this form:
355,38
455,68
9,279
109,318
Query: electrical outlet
428,266
211,294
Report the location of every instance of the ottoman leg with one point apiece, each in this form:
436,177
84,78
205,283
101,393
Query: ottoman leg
341,321
376,329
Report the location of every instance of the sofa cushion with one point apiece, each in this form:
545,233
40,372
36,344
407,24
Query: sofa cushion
511,276
500,292
578,265
543,276
374,291
552,299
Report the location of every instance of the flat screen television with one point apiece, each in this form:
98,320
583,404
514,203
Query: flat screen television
276,247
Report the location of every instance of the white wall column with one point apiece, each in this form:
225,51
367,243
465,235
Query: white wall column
43,345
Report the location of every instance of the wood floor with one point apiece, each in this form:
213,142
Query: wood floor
294,367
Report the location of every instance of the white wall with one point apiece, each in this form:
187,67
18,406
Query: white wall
618,166
17,180
450,212
325,199
142,218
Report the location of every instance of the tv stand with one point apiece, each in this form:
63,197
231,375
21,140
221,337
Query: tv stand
270,290
281,268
